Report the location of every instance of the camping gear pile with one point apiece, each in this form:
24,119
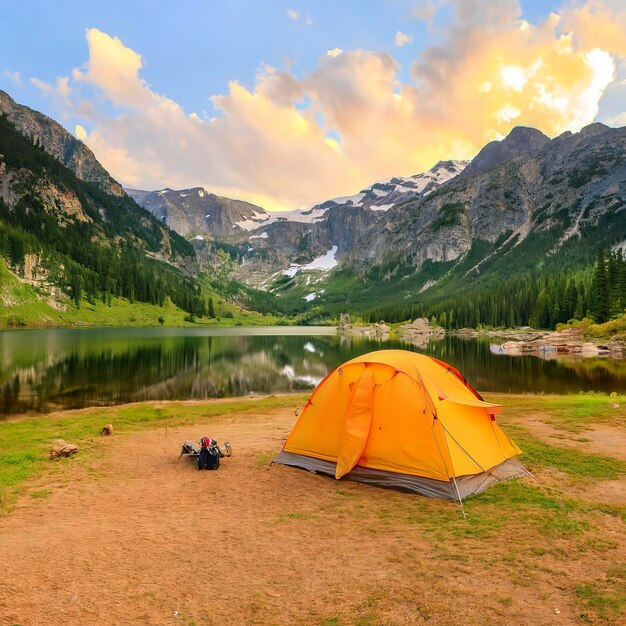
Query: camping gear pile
207,454
400,419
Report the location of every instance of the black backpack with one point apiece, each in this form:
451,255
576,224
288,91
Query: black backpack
209,458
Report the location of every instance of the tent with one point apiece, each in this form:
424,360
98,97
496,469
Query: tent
400,419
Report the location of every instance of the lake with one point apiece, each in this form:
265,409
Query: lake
43,370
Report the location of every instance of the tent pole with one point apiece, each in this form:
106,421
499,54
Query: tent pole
458,493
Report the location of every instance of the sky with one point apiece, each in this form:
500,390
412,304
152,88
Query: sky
287,104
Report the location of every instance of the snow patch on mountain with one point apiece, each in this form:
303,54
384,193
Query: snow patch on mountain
323,263
254,221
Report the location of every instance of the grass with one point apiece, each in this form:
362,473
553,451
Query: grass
573,413
263,459
295,516
613,329
605,597
25,443
537,453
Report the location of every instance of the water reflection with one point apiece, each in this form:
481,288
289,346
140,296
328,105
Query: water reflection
48,369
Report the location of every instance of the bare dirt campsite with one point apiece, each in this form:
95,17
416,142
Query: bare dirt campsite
125,532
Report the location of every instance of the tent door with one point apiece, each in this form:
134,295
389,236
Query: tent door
357,424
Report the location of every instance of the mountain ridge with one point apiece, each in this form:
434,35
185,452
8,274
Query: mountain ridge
59,143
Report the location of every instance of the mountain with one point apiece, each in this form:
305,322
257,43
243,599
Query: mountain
530,223
198,213
520,141
542,213
565,188
526,215
60,144
72,240
268,242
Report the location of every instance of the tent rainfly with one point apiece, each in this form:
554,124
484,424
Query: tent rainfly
400,419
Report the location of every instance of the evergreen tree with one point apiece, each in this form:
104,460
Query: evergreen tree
600,304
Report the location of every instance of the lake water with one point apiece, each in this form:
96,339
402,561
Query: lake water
42,370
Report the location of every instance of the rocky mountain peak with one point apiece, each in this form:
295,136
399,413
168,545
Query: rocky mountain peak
520,141
595,128
59,143
200,213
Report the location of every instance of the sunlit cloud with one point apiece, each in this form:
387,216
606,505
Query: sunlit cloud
59,90
80,132
401,39
293,140
293,14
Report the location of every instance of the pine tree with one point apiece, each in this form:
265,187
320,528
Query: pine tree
600,304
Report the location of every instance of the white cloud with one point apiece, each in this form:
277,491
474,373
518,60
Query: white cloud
296,15
402,39
424,10
335,52
14,77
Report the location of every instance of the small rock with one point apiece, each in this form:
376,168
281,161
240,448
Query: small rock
107,430
615,405
61,447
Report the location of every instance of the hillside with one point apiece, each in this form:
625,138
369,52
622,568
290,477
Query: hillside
71,240
64,147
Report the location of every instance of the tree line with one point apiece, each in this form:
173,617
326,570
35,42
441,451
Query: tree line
540,301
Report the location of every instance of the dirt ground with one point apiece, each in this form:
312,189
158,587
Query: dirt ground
138,536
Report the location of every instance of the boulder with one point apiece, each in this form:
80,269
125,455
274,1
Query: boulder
60,448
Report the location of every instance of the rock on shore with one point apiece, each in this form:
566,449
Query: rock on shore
570,341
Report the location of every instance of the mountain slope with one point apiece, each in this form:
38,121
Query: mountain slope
531,223
197,212
59,232
543,212
60,144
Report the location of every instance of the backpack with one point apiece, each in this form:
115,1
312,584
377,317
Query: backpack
209,457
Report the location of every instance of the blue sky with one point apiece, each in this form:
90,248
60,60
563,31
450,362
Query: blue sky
192,49
189,51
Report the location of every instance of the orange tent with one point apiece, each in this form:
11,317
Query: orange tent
401,419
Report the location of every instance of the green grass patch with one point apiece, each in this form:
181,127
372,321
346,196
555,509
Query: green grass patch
25,443
40,493
537,453
286,517
607,597
574,412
